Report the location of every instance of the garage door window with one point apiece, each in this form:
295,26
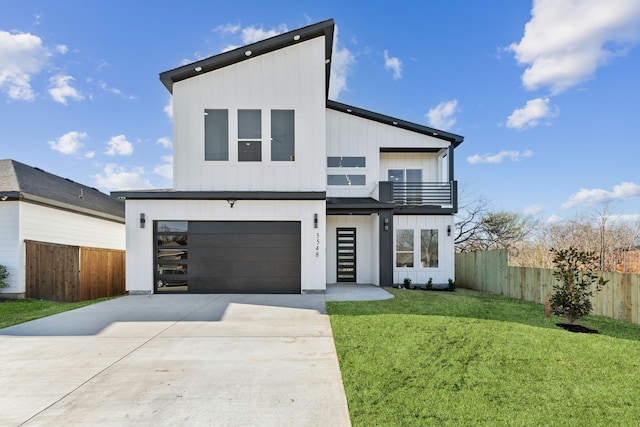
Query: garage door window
172,254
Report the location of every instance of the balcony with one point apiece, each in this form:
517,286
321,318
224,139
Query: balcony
420,194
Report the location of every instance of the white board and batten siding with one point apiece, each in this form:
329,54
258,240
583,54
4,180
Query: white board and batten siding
446,252
292,78
352,136
140,240
367,247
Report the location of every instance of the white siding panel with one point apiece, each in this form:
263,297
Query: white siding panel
446,252
140,240
349,135
45,224
367,247
290,78
9,247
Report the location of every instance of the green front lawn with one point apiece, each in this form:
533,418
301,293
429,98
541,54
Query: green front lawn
469,358
13,312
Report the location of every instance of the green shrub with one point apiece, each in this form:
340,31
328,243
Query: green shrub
407,283
574,271
3,277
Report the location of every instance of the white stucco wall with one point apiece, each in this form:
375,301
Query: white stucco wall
140,256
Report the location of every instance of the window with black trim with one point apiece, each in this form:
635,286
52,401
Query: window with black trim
249,135
216,135
404,248
283,146
346,179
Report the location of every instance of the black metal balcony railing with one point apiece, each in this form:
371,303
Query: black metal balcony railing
423,193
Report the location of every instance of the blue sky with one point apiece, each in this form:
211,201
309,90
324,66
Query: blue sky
544,92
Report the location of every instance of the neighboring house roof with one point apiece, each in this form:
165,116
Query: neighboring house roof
22,182
324,28
395,122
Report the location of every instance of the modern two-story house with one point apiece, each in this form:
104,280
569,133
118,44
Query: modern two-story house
279,190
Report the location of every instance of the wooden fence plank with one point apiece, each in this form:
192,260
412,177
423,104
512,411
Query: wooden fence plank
489,271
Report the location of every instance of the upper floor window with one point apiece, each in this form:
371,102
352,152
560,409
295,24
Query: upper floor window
346,180
283,147
216,134
346,162
249,135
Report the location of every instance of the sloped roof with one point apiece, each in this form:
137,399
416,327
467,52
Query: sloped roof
395,122
22,182
244,53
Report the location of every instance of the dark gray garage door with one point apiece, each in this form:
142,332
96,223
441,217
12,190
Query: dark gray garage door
244,257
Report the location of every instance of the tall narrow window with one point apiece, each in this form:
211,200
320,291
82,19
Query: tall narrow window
216,135
283,146
404,248
249,136
429,248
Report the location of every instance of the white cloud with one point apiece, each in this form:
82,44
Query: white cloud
22,55
165,170
553,219
530,115
62,49
168,109
442,116
69,143
394,64
61,89
623,191
498,158
255,34
250,34
533,209
165,141
567,40
228,28
341,62
114,177
90,154
119,146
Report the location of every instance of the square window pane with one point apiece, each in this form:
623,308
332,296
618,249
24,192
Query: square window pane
404,240
414,175
249,151
429,248
249,124
283,135
404,259
216,135
396,175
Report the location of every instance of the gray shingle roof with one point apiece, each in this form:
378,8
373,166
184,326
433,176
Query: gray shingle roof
22,182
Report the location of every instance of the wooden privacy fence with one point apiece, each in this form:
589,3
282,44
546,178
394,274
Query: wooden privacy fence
73,273
490,271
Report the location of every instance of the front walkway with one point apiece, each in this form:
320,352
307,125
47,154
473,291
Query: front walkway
167,360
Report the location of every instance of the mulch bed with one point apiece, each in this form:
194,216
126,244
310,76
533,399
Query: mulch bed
576,328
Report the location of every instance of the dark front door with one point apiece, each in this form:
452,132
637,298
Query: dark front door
346,252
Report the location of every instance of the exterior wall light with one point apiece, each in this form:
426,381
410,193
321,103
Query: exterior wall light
448,230
315,220
143,220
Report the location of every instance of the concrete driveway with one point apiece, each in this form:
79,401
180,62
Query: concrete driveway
176,360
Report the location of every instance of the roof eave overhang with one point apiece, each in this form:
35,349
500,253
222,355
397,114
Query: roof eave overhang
244,53
220,195
395,122
43,201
